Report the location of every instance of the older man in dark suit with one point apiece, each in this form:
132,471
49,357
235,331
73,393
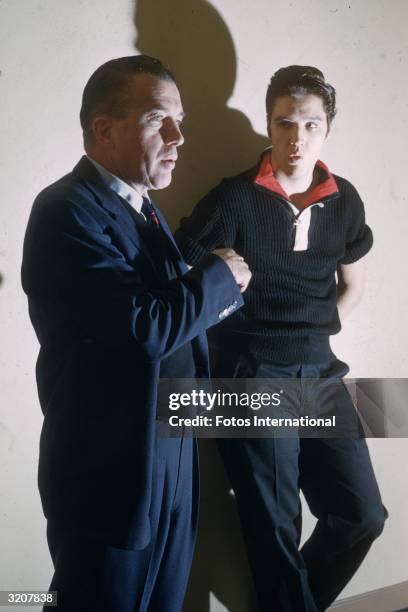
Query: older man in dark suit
114,308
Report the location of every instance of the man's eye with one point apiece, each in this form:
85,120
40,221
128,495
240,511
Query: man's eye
284,124
311,125
155,119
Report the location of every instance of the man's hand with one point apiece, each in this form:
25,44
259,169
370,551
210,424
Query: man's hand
237,265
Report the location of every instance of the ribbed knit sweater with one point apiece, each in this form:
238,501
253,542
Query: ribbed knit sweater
290,304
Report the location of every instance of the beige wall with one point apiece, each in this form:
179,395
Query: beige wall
223,54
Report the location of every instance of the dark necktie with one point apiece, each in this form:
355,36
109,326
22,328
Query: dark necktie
149,212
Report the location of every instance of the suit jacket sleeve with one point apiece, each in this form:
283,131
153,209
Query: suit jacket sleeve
73,267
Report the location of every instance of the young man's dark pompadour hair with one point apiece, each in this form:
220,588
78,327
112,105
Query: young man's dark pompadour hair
106,90
298,81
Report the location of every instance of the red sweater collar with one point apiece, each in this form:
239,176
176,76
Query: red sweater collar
266,178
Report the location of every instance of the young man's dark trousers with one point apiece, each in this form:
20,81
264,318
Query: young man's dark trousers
337,480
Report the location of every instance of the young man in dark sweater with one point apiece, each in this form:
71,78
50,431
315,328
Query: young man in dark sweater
295,224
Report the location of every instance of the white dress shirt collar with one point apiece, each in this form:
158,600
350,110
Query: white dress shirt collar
119,186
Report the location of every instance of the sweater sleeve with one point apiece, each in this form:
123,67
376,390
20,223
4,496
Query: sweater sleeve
359,237
204,230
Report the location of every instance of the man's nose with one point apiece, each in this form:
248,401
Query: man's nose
172,134
297,135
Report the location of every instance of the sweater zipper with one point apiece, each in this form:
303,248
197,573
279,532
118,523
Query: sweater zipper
281,199
294,218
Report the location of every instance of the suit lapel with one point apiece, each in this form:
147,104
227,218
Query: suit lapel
177,258
112,203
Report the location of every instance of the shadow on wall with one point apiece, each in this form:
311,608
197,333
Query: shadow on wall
191,38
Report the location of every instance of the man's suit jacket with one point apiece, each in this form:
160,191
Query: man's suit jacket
105,319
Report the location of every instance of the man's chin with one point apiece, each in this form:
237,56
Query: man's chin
301,168
161,182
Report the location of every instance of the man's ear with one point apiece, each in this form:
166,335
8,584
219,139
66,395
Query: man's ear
268,126
328,131
101,127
